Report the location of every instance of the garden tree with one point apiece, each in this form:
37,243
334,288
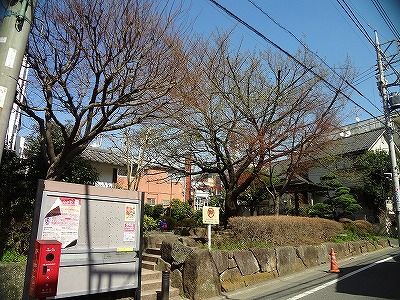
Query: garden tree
16,199
134,144
374,166
99,66
77,170
339,201
18,183
245,111
253,195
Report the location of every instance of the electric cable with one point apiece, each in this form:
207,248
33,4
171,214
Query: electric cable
314,53
265,38
386,18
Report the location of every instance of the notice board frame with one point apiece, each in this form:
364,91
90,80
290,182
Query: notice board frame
89,265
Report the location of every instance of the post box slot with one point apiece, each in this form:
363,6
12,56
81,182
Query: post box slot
50,257
44,270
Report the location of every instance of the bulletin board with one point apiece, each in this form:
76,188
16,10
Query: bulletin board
100,230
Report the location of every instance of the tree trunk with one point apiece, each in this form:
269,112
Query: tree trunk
55,170
230,206
277,203
296,204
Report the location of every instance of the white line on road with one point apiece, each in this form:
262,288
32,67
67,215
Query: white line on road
316,289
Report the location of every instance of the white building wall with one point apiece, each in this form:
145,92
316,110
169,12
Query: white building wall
105,174
12,141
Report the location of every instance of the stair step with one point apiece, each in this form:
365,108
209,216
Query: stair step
150,275
149,265
155,251
152,295
151,285
150,257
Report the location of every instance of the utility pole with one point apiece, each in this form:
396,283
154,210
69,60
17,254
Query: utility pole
14,31
382,86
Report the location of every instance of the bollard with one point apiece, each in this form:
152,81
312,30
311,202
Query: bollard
165,285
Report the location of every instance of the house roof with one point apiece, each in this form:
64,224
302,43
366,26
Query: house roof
357,142
103,156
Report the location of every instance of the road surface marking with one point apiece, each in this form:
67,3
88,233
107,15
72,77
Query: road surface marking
329,283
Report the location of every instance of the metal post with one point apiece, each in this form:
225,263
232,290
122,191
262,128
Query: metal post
165,285
14,31
382,86
209,236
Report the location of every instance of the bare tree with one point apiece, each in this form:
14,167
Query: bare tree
100,66
133,144
244,111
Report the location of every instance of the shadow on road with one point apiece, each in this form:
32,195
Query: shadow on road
380,281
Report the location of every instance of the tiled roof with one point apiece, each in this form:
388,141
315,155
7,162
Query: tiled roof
357,142
103,156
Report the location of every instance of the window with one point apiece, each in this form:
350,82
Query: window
122,172
151,201
166,203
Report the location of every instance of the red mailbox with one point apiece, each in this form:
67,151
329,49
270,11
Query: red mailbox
46,263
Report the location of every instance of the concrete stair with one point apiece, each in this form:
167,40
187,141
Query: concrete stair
151,277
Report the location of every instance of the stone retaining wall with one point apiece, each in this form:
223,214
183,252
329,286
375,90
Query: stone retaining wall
201,274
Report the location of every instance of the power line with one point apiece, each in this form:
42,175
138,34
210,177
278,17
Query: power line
347,9
356,21
261,35
314,53
386,18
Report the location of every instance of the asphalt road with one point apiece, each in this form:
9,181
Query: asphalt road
372,276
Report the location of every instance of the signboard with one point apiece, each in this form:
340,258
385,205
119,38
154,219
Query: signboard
210,215
100,231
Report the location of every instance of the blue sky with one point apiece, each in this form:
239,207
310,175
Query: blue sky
322,24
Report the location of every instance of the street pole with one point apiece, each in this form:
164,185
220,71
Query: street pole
382,86
14,31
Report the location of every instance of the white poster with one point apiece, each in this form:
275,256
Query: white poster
61,223
129,232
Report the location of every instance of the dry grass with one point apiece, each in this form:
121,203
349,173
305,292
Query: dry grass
364,226
285,230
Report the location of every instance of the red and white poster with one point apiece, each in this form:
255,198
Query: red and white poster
129,232
61,222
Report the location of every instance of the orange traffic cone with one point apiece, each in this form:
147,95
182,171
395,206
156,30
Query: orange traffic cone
334,265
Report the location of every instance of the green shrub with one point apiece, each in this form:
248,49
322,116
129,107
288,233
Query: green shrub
284,230
188,222
171,222
321,210
149,223
180,210
198,218
148,210
356,230
12,255
158,211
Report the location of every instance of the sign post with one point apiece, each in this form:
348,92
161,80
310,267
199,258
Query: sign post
210,216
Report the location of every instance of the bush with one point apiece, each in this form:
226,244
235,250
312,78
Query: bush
149,223
12,255
284,230
321,210
158,211
171,222
148,210
180,210
356,230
